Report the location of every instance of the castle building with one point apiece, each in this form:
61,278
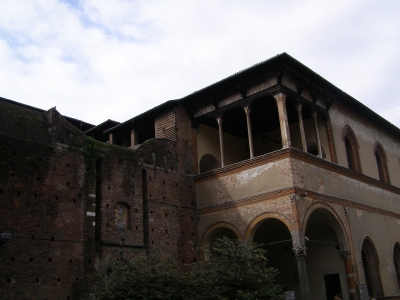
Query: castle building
274,154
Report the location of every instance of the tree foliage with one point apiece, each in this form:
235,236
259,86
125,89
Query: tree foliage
236,271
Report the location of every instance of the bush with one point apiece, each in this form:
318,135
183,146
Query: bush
236,271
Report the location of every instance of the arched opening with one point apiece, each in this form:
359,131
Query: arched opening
370,263
209,162
277,240
312,148
351,147
326,242
396,260
216,232
381,163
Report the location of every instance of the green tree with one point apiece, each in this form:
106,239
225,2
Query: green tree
236,271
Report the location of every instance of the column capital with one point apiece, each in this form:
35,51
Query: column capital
299,107
279,96
314,114
247,109
219,120
294,198
300,252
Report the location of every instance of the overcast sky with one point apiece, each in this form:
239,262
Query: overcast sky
105,59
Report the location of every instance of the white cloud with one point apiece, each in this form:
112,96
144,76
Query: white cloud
114,59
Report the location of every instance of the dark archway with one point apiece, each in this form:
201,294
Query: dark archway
370,263
216,232
312,148
277,240
209,162
326,242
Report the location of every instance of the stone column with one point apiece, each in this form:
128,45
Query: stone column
280,99
299,248
134,137
221,141
314,116
111,139
350,275
331,142
247,110
302,134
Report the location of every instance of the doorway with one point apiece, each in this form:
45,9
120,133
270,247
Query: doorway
332,285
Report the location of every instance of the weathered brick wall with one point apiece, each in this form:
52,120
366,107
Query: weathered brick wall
41,204
170,196
62,198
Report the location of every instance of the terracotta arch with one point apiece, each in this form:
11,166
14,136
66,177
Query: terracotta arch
370,261
381,161
351,146
334,219
252,228
220,225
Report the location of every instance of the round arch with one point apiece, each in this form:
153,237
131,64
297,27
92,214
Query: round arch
327,244
222,229
252,228
273,231
213,230
333,219
209,162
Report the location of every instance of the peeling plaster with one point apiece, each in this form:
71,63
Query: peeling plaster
245,176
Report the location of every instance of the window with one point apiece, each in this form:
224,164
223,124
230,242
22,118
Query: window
351,146
396,259
371,268
381,160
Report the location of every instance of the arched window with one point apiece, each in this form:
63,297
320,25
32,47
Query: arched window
381,160
351,146
371,268
122,215
396,259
